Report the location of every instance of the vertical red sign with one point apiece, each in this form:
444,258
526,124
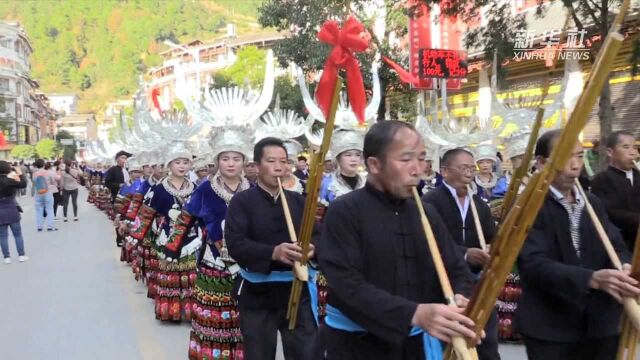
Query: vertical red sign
420,34
419,38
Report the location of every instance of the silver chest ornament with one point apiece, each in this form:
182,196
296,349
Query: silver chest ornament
174,213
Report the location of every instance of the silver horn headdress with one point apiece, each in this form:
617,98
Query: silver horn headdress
494,117
230,112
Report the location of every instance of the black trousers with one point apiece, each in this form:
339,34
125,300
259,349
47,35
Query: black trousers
488,350
260,332
604,348
73,194
57,201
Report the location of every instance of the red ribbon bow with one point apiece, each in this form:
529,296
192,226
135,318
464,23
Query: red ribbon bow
344,41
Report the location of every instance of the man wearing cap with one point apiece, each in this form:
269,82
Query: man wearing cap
619,185
117,175
114,178
302,171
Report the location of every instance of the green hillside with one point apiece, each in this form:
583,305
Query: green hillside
98,48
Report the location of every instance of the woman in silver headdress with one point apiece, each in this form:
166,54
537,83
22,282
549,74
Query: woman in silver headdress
486,178
215,328
346,145
171,270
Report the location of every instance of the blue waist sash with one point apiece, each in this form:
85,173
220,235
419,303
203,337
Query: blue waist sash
287,276
337,320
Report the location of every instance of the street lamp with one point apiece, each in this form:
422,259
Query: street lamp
194,53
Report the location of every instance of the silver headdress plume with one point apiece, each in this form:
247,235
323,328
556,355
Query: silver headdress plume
486,151
283,124
231,112
515,144
293,148
493,115
235,138
177,149
229,106
345,140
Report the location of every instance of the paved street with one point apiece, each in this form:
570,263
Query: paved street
74,299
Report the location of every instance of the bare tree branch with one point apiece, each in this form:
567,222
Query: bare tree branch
591,12
593,3
575,17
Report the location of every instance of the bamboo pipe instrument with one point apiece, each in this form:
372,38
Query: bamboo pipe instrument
311,203
476,219
301,271
631,306
515,226
629,336
523,169
459,344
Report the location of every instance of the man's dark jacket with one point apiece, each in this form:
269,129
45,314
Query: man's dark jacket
557,303
464,234
621,199
113,178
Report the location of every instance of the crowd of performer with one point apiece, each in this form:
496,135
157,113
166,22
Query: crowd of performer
209,238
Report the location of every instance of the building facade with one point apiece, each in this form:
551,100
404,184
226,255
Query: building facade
45,115
199,61
18,107
525,77
83,127
65,104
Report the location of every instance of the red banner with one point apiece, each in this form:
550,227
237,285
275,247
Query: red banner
425,33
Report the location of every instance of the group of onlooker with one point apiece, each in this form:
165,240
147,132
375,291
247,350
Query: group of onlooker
52,184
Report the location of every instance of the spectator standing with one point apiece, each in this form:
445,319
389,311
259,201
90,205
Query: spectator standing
57,170
43,182
25,170
619,185
70,183
11,180
302,170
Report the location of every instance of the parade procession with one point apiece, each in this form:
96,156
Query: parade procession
424,186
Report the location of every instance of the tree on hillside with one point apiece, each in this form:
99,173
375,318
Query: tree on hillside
248,69
289,94
23,152
48,149
98,48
